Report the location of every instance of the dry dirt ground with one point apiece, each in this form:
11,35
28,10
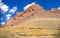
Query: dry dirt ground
37,28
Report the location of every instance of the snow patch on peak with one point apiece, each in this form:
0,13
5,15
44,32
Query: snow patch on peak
27,6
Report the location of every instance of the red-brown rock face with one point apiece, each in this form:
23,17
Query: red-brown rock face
33,10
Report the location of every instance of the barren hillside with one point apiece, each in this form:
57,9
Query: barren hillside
34,22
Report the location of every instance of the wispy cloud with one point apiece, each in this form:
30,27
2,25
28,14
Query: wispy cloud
6,11
2,23
13,10
4,8
8,16
27,6
58,8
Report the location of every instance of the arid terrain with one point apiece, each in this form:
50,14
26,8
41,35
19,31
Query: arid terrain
34,22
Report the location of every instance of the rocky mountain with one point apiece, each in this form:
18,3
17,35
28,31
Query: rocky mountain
34,11
34,22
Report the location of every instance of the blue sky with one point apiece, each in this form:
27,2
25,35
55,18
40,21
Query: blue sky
10,7
47,4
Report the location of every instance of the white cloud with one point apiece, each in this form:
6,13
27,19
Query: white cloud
13,10
58,8
2,23
27,6
4,8
8,16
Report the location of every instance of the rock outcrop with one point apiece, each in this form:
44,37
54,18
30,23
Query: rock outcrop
34,22
33,10
21,16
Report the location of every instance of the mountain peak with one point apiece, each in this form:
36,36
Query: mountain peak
33,11
35,7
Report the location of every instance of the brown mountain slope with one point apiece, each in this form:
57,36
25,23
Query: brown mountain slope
34,21
35,12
